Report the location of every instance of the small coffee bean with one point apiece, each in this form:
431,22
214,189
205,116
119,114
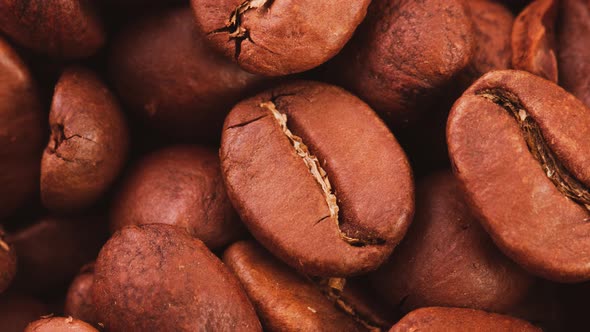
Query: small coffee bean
79,303
88,144
159,278
180,186
276,38
317,178
59,28
519,145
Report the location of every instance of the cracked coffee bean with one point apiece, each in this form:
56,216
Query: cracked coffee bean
404,55
278,37
447,259
88,144
458,319
574,53
162,69
158,278
180,186
56,324
519,145
533,39
21,132
59,28
298,170
78,302
284,300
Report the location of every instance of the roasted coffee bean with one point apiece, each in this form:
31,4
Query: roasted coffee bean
275,38
21,132
519,145
406,53
88,144
58,324
456,319
317,178
159,278
284,300
180,186
574,53
79,303
447,259
162,69
533,39
59,28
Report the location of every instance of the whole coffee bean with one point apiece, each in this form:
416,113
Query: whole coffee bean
79,303
88,144
533,39
18,310
7,263
317,178
21,132
51,251
447,259
278,37
59,324
574,54
492,23
406,53
60,28
457,319
284,300
159,278
519,146
185,91
180,186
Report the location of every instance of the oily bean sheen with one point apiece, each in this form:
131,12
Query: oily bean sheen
458,319
519,145
278,37
60,28
59,324
318,178
533,39
284,300
159,278
21,132
447,259
574,53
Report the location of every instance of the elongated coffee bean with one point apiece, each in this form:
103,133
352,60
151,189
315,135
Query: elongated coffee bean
519,144
318,179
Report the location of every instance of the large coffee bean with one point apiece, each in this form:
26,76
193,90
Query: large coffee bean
159,278
519,145
318,179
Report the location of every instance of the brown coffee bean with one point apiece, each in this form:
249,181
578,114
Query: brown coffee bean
519,146
60,28
447,259
456,319
7,263
59,324
317,178
21,132
284,300
533,39
164,72
278,37
88,144
574,54
51,251
405,53
18,310
79,303
492,23
159,278
180,186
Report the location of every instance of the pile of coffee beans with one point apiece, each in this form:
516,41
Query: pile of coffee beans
294,165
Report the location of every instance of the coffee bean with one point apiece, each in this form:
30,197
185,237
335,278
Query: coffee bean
53,324
79,303
519,146
317,178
